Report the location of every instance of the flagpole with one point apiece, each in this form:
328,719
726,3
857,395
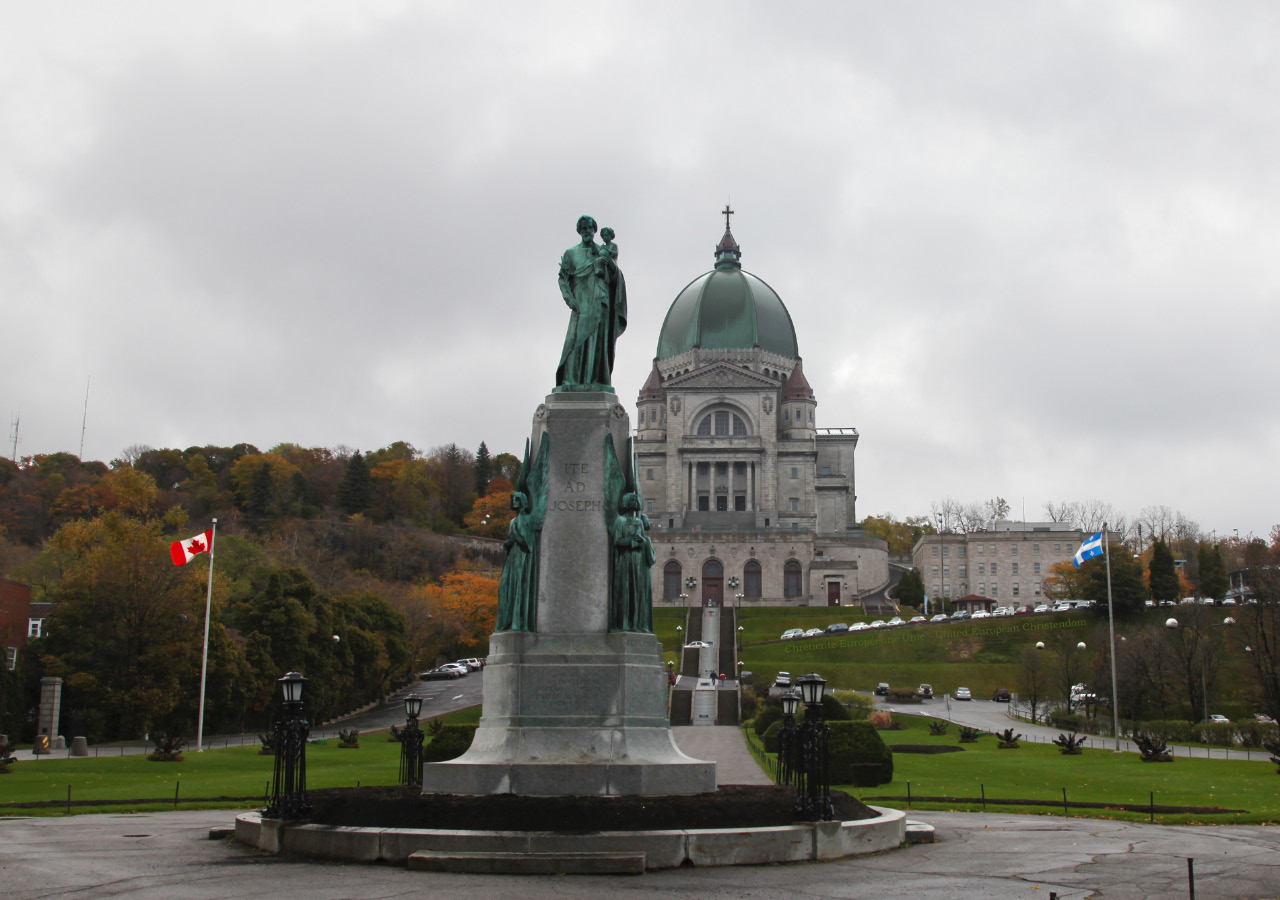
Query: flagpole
204,659
1111,625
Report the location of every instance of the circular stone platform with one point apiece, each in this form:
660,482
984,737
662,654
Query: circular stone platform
531,852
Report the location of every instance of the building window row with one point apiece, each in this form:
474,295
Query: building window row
752,578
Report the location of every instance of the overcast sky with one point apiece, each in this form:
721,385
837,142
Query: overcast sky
1030,249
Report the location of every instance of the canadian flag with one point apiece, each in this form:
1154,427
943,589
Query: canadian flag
182,552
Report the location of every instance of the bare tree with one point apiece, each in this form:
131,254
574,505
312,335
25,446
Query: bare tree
1033,680
1258,635
945,514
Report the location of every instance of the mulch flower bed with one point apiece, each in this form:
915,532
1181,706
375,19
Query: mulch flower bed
731,806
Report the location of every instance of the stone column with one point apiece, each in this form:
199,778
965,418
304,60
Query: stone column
50,708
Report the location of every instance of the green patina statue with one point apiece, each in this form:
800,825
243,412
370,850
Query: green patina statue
594,289
518,587
630,582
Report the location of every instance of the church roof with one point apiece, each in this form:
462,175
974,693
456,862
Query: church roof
652,389
797,386
727,309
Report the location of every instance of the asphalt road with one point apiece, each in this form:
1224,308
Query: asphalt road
164,856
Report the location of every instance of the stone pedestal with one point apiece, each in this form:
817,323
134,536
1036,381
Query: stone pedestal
574,709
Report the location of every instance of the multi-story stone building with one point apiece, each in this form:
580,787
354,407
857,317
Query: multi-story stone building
747,495
1007,564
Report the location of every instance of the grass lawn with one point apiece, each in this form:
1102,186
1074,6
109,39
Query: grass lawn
1040,772
231,772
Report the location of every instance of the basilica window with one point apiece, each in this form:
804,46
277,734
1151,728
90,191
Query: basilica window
751,582
722,469
791,579
671,580
721,423
648,474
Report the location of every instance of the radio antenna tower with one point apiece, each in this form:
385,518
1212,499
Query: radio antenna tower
14,435
84,421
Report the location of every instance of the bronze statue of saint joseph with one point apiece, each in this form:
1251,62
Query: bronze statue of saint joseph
594,289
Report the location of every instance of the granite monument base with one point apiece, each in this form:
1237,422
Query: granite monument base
571,715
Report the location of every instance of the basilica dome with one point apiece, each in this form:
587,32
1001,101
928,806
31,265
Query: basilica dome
727,309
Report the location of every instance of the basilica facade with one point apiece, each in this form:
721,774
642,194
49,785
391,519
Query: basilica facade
750,501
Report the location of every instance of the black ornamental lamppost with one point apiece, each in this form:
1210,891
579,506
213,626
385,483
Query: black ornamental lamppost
787,739
289,781
813,779
411,743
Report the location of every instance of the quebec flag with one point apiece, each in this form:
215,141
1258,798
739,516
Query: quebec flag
1089,549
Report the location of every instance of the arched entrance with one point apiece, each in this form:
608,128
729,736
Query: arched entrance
712,583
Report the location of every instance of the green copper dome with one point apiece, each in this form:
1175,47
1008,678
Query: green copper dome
727,309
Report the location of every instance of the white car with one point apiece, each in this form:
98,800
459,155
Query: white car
814,632
916,620
697,645
981,614
878,623
1061,606
792,633
940,617
1043,607
1219,720
859,626
896,620
963,693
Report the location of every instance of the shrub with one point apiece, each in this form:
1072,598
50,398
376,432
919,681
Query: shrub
168,747
772,737
1070,744
857,705
750,703
1008,739
859,755
348,738
881,721
396,733
6,757
766,717
267,744
449,743
969,735
1152,747
937,729
904,697
434,726
1273,747
832,710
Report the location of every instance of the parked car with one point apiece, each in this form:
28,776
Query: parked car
443,673
959,614
882,689
981,614
916,620
1022,610
696,644
1219,720
472,664
878,623
813,632
1001,695
859,626
963,693
1061,606
896,620
1264,719
940,617
792,633
837,627
783,679
1042,608
925,692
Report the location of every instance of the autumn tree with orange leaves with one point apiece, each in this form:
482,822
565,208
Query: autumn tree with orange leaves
491,513
464,604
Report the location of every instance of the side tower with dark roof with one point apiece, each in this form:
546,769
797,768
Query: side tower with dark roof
746,493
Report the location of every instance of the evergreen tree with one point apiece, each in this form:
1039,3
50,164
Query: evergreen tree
910,590
355,493
484,470
1213,572
260,496
1128,592
1164,577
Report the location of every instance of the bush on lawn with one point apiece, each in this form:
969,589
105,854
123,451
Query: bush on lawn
1152,747
859,755
766,717
883,721
772,737
449,743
